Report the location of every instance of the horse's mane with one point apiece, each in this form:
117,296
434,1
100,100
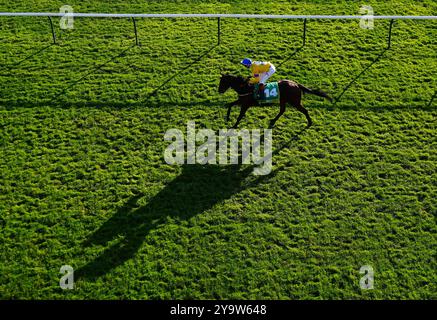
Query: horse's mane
240,78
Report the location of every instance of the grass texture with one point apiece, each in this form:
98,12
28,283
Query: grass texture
84,182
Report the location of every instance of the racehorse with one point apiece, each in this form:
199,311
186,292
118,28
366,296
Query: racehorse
289,92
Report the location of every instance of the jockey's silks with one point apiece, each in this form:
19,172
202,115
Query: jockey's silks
258,67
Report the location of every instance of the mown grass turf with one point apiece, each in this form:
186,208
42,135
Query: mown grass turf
84,182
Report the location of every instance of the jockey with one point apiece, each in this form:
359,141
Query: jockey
261,72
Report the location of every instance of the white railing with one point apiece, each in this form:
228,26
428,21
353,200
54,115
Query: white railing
205,15
217,16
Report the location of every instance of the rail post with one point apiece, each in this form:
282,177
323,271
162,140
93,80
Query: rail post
389,34
304,32
135,29
218,31
53,30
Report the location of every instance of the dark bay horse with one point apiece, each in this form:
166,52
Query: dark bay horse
289,92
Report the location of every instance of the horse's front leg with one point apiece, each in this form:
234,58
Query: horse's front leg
240,116
229,108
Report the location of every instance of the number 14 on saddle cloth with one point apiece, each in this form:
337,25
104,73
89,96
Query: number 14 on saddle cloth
271,93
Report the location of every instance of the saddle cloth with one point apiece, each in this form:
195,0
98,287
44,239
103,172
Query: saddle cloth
271,93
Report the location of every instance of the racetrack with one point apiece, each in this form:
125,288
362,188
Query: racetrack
84,182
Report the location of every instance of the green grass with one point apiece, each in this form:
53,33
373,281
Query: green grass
84,182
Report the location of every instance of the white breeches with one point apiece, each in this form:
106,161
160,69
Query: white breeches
266,75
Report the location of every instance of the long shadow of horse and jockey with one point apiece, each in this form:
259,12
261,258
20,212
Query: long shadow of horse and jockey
197,189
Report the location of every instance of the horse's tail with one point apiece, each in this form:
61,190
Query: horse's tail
315,91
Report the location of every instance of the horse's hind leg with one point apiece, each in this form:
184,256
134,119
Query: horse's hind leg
281,112
305,112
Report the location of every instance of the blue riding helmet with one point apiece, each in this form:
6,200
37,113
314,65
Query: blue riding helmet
246,62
